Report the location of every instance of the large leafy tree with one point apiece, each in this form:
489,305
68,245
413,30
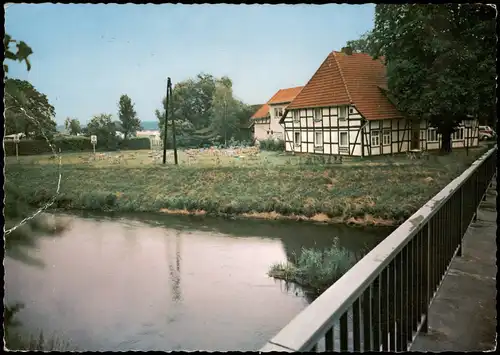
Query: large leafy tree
224,118
27,110
130,123
103,127
72,126
204,109
183,128
365,44
440,61
21,54
192,100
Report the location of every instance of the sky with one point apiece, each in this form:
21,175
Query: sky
86,56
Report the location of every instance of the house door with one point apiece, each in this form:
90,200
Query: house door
415,136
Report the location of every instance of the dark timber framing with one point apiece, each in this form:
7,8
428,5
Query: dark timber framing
327,129
401,132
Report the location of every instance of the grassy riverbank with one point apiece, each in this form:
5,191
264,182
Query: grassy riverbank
370,191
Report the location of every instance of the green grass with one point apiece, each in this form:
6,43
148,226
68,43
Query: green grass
315,270
364,191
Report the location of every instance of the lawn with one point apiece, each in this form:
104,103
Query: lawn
383,190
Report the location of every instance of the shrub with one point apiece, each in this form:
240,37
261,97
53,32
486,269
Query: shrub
315,269
35,147
27,147
73,144
135,143
275,145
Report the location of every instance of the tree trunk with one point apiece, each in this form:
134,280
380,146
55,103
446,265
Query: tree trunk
446,141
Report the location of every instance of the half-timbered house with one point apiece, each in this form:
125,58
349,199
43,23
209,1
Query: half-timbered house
344,110
267,118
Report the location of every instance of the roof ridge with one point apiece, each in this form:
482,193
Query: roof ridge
284,91
272,97
342,77
304,86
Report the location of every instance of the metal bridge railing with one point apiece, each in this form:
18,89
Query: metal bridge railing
382,303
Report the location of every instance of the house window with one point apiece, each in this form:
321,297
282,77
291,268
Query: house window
318,139
351,109
458,135
386,137
318,115
375,137
432,135
278,112
297,138
343,139
342,112
296,117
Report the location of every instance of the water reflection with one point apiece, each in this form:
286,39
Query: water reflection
163,283
290,287
175,273
294,235
22,242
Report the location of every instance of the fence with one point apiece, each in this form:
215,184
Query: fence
382,303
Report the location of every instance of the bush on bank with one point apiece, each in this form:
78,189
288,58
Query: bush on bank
315,270
274,145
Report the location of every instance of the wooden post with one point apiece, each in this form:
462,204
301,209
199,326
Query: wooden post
169,89
165,127
17,150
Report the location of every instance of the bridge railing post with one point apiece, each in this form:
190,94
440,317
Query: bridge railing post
427,279
461,221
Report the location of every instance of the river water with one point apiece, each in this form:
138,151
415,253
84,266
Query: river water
150,282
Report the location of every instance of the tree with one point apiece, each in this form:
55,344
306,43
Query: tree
192,100
183,128
21,55
224,118
204,108
365,44
72,126
27,110
440,64
118,126
103,127
128,117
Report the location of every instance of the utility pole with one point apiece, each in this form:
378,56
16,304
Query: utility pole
165,127
169,85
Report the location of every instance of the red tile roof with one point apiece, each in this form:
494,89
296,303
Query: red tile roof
282,96
262,112
285,95
344,79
